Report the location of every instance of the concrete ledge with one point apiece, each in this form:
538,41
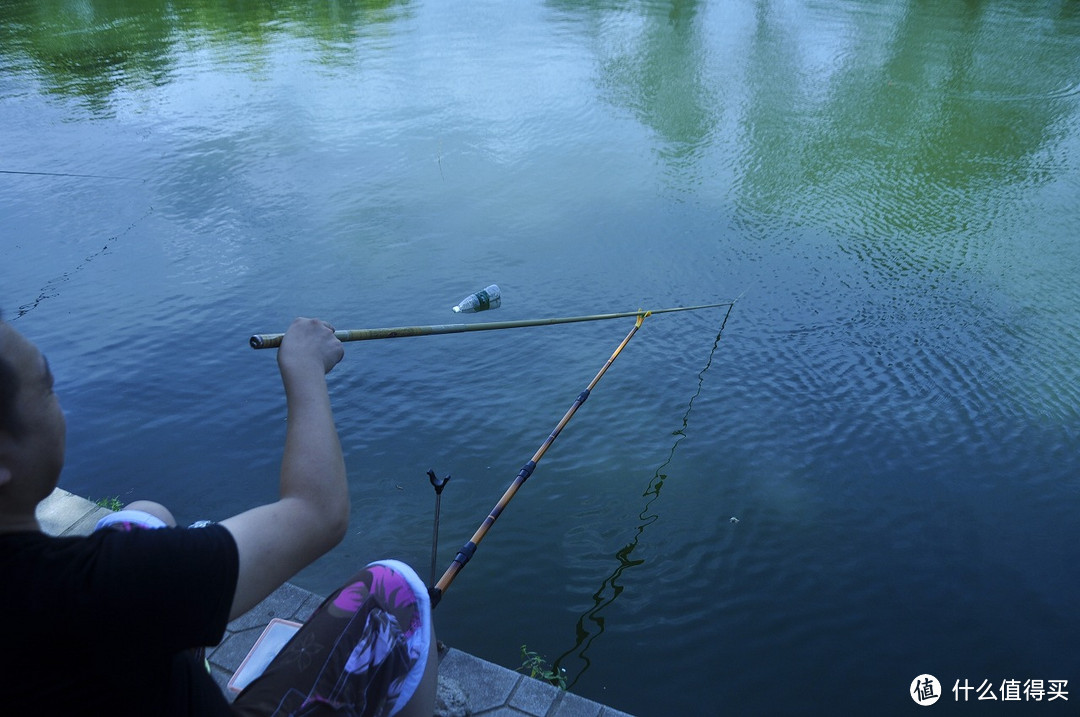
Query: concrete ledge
65,514
467,684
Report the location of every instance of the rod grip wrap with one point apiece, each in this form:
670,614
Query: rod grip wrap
526,471
465,554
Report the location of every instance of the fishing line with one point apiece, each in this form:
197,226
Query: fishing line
52,287
610,588
66,174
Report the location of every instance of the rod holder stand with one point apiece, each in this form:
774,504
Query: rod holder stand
438,484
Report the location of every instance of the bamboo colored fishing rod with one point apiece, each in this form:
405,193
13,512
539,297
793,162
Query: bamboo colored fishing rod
269,341
467,550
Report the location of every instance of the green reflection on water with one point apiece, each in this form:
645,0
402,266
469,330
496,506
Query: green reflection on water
924,120
96,48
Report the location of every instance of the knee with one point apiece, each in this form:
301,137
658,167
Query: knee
155,509
422,703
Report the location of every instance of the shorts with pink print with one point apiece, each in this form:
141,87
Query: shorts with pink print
363,653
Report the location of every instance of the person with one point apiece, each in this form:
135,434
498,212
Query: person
111,623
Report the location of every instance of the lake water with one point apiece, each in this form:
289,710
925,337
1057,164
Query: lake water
891,412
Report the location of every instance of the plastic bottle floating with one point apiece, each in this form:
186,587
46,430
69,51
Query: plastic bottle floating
489,298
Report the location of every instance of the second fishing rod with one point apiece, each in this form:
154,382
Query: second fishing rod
469,548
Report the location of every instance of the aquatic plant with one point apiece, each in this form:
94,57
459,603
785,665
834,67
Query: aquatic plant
536,667
113,503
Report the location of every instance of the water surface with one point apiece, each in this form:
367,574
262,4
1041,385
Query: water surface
891,411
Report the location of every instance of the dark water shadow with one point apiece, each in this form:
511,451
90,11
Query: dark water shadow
590,625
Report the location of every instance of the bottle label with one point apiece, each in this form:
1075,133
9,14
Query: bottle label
483,301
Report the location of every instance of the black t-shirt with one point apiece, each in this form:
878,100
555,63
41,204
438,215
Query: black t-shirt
101,624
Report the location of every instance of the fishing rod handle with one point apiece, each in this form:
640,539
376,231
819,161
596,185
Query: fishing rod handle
273,341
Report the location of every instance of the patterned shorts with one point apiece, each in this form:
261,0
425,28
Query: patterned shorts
363,653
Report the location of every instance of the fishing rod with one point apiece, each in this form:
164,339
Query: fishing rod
465,554
269,341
